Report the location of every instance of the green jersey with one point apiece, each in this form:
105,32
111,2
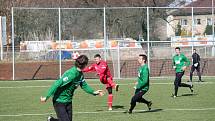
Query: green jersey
143,78
63,88
180,61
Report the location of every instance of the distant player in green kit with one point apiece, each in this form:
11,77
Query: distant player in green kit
180,63
63,90
142,85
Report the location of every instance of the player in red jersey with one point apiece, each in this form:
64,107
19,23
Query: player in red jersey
100,66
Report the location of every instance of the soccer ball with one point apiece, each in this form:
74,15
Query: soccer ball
75,55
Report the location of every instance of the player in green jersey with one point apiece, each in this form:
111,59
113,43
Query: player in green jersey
63,90
142,85
180,63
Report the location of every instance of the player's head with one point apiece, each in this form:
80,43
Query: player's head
142,58
81,62
194,50
97,58
177,50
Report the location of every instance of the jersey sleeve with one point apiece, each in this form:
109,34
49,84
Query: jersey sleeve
187,61
64,80
86,87
173,61
199,58
53,88
90,68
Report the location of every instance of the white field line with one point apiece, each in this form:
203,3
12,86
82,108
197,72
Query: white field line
154,83
151,78
100,112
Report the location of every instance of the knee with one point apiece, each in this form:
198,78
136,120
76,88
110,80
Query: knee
175,83
109,89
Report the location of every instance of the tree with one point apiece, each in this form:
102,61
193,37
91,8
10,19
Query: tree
208,30
178,30
120,23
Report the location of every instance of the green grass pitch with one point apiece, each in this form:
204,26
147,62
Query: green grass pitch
20,102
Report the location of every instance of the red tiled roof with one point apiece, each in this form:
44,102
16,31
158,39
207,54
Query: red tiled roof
201,3
196,11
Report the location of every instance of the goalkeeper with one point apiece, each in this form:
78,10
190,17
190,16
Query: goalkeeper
63,90
102,69
195,65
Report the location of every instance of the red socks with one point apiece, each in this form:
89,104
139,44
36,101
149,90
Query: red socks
110,100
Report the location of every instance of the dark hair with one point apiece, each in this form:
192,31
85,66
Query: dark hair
177,48
97,55
81,62
144,57
194,49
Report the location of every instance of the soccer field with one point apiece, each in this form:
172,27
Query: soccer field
20,102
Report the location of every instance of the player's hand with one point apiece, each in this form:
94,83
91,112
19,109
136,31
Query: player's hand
99,92
42,99
196,64
184,68
135,85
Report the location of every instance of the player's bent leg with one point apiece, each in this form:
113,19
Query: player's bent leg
177,82
132,104
176,88
187,85
199,73
138,95
112,83
191,73
61,112
69,110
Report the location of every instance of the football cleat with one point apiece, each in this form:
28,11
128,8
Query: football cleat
130,111
149,105
191,88
49,118
117,87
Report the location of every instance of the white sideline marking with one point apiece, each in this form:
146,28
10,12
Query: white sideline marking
168,83
97,112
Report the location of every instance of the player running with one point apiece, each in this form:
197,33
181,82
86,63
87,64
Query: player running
180,63
63,90
103,71
142,85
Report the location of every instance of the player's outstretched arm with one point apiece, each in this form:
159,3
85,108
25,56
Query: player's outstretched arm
99,92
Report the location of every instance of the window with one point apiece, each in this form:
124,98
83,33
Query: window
209,21
183,22
197,21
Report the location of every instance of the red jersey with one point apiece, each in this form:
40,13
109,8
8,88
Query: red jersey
101,68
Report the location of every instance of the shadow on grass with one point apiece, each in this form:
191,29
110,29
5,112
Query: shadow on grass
114,107
145,111
118,107
189,95
184,95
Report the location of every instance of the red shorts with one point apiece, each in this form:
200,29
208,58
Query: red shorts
108,81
